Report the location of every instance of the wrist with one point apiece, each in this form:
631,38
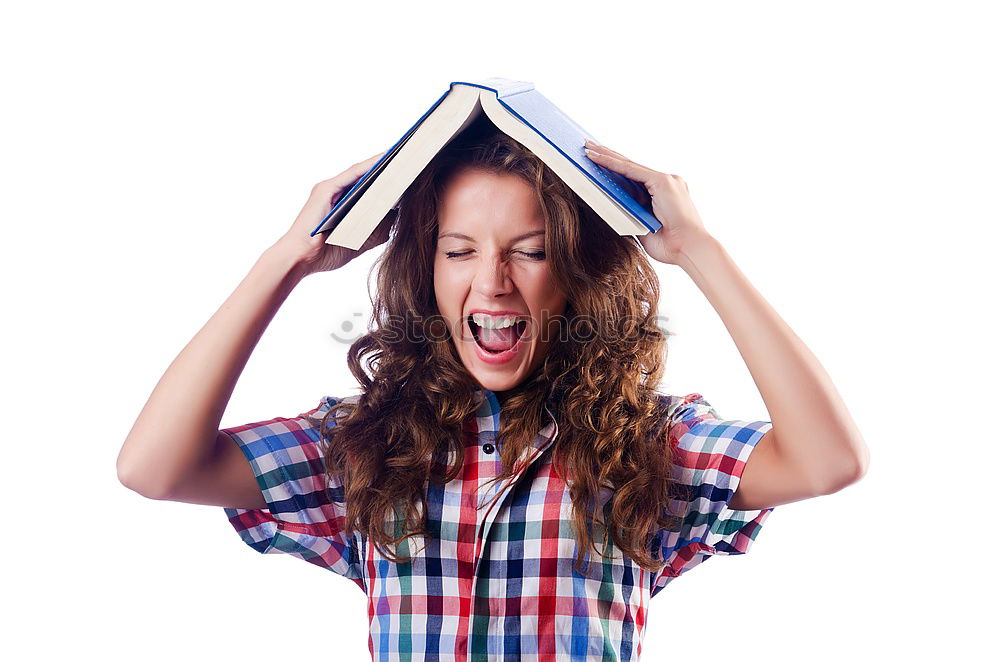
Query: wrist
291,265
697,249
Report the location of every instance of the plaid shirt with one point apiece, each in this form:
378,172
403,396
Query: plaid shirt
498,582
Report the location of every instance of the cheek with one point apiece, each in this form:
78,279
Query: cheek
546,293
447,291
441,279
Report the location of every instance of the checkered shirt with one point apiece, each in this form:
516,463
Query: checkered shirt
496,579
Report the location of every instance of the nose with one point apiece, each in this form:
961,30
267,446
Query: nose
492,278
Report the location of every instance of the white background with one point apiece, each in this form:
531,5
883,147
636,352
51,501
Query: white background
845,154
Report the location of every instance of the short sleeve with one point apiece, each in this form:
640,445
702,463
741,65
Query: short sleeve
708,458
305,511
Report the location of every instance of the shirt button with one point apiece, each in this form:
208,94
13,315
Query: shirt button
487,448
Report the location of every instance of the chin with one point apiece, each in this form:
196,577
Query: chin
493,379
497,378
497,383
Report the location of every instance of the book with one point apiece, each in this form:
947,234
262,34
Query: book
519,110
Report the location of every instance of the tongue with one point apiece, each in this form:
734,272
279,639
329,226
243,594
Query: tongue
498,340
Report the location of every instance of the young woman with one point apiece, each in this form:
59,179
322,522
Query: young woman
509,482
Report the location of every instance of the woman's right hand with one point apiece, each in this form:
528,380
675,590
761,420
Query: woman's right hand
313,253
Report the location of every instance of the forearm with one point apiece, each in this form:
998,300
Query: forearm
177,427
811,424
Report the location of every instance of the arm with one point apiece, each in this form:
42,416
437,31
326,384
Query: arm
813,433
177,428
174,449
814,447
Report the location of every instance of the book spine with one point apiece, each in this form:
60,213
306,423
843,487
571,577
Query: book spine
503,87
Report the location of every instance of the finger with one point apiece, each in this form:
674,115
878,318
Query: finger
638,192
623,166
607,151
603,149
369,162
358,169
350,175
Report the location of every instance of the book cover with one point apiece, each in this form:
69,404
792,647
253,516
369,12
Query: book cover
516,108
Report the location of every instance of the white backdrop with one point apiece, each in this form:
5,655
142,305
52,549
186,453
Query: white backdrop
845,155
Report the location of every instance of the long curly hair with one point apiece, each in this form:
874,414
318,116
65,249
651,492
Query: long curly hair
599,379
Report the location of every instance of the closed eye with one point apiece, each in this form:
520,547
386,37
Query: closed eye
537,255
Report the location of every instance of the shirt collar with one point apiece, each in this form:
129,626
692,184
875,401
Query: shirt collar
488,422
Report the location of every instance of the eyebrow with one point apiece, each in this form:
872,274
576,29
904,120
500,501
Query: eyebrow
459,235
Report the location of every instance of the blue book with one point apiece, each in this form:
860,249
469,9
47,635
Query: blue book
520,111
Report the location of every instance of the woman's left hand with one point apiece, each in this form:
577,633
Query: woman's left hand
670,201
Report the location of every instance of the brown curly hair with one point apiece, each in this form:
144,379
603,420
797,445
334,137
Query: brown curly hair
416,393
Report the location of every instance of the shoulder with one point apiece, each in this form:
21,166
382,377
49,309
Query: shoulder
328,402
682,412
276,436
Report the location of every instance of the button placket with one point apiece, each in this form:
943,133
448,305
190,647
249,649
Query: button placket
543,441
489,446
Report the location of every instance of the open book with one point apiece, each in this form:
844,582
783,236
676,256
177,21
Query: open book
520,111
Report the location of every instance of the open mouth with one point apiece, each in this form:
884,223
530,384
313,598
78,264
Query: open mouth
497,341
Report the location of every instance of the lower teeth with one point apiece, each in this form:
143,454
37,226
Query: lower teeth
475,337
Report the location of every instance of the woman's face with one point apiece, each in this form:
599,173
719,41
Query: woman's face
490,268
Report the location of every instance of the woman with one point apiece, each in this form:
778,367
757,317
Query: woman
509,482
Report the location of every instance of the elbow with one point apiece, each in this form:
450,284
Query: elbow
853,470
861,460
134,482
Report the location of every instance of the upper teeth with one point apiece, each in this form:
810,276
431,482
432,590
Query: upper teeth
494,321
